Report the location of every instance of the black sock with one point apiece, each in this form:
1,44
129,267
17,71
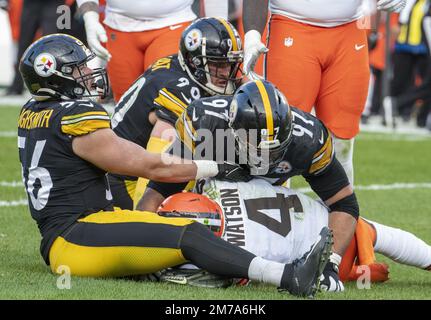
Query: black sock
200,246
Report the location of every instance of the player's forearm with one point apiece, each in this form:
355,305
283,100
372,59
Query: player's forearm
255,14
150,201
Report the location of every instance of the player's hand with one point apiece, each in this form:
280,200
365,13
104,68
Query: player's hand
96,34
253,47
232,172
391,5
330,280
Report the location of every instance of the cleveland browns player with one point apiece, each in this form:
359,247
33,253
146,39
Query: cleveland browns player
207,63
66,146
279,224
276,141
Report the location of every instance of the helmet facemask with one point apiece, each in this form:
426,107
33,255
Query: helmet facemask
87,84
261,156
204,68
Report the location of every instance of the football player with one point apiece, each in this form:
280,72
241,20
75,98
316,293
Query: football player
137,33
279,224
331,78
207,63
66,146
276,141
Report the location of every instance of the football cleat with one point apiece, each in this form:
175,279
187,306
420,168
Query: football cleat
308,269
195,277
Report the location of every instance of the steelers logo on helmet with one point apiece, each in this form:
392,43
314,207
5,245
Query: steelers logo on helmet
193,39
283,167
44,64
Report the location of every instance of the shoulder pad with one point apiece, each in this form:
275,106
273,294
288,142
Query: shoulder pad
83,116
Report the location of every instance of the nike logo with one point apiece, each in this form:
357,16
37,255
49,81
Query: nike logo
321,139
188,100
359,47
175,27
194,118
176,280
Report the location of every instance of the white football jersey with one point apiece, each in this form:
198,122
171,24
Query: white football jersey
141,15
275,223
324,13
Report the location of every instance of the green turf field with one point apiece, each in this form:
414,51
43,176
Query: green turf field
380,159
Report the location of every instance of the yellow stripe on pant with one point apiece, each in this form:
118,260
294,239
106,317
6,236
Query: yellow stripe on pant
120,243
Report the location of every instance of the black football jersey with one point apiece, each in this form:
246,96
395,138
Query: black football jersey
309,153
164,88
61,187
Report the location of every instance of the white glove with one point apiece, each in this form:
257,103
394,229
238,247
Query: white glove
253,47
391,5
96,34
330,280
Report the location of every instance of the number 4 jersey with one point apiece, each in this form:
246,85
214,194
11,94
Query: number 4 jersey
61,187
276,223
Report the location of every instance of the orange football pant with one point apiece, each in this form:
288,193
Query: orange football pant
326,68
133,52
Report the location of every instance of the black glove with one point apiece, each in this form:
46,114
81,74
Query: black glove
232,172
330,280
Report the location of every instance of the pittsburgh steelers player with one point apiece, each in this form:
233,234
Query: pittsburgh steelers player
207,63
66,146
275,141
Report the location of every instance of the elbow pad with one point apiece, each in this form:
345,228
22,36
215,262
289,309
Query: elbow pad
348,205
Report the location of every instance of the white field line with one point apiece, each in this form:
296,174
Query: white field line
14,203
374,187
8,134
11,184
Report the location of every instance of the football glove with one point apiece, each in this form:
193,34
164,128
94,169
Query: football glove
194,277
96,34
330,280
253,47
391,5
232,172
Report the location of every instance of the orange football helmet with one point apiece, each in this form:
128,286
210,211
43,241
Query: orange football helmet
196,207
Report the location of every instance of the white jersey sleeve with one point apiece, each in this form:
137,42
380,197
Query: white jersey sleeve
142,15
275,223
323,13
